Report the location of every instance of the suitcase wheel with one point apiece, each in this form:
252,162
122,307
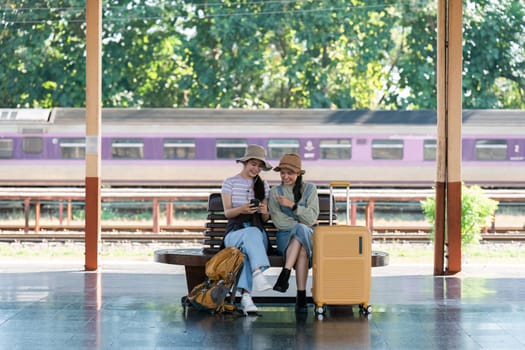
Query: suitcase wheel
320,309
365,309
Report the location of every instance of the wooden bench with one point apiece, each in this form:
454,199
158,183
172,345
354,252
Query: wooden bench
194,260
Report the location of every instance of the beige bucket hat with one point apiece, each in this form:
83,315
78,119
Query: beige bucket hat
255,152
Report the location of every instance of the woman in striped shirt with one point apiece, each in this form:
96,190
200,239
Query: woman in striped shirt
245,201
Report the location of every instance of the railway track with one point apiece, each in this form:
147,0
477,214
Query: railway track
34,201
177,234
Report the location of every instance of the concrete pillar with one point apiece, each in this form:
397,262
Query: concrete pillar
447,252
93,135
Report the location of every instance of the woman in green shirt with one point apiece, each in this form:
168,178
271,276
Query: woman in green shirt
294,208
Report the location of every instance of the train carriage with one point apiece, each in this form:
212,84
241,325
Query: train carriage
197,147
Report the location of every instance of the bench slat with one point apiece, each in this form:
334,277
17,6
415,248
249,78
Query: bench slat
216,221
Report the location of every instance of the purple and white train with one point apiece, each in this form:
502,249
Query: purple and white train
198,147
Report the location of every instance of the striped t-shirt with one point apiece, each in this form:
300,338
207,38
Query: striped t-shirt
241,189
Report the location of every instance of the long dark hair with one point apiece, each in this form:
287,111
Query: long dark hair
258,188
297,188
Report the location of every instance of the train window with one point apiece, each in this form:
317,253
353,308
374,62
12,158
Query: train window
336,149
5,115
6,148
278,147
429,150
179,149
387,149
491,150
230,148
127,149
72,148
33,144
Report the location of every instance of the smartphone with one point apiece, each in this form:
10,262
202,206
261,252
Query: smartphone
255,202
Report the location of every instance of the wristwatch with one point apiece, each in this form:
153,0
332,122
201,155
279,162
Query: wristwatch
294,208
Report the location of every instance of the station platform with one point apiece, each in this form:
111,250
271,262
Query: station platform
136,305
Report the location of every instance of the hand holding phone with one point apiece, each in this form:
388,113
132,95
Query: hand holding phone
255,202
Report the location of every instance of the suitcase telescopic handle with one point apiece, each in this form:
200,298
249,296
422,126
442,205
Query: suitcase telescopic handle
332,185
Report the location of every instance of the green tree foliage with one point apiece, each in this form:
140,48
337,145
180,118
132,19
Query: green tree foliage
377,54
143,64
494,68
226,53
477,209
42,62
493,55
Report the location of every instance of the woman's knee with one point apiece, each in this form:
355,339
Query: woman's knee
303,233
303,229
253,232
250,233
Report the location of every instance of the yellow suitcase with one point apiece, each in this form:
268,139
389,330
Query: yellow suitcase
342,265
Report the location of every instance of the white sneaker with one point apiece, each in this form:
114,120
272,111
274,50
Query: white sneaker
247,304
259,282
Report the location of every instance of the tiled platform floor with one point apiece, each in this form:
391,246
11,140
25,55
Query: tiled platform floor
56,305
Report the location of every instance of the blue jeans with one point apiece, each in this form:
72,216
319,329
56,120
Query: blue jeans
302,233
253,243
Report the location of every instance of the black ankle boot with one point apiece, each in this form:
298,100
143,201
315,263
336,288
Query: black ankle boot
282,282
300,303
